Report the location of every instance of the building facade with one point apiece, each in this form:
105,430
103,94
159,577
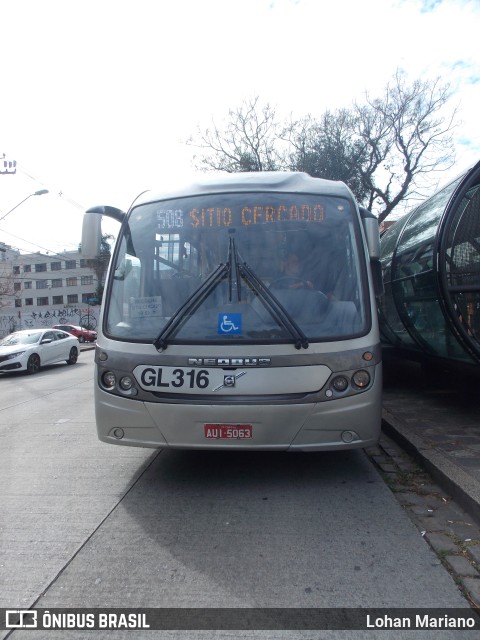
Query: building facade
42,290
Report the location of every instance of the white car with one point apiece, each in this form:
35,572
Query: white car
30,349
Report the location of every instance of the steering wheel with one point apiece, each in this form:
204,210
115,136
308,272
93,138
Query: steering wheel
290,282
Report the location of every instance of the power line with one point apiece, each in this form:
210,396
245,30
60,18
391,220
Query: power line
61,194
49,251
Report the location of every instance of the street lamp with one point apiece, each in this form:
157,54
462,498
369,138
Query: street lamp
37,193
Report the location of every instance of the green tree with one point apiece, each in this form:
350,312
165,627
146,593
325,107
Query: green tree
326,148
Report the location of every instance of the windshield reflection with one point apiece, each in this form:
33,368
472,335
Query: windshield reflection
20,338
236,268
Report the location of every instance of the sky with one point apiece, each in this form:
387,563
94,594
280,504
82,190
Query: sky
98,97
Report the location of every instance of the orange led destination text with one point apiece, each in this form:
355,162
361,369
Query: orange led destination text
257,214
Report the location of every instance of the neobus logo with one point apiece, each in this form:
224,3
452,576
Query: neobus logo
229,362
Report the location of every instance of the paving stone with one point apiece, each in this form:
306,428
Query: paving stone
463,531
373,451
474,551
399,488
393,449
428,489
387,467
410,497
472,585
441,542
434,523
461,566
453,512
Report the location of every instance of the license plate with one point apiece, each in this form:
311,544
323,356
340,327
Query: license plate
228,431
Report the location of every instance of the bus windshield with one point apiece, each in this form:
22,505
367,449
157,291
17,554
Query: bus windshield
237,268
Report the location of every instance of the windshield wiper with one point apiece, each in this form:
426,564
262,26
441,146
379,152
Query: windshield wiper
241,269
234,269
277,310
192,304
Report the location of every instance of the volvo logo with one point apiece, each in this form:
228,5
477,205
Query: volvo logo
230,380
229,362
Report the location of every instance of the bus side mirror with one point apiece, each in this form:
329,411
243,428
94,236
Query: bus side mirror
91,235
372,235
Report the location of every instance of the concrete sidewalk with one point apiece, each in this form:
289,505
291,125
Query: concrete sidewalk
439,425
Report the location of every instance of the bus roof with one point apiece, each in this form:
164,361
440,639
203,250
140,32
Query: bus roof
282,181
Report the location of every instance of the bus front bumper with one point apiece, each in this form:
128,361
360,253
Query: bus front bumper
349,423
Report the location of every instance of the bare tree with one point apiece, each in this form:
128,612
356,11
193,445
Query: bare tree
249,141
406,139
6,287
387,149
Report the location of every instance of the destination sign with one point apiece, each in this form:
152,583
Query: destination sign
249,210
256,214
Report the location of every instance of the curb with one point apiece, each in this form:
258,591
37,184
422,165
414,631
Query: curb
459,485
87,347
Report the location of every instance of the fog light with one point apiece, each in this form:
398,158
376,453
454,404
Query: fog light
118,433
340,383
109,380
361,379
348,436
126,383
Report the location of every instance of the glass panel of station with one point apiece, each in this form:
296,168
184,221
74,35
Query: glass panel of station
462,266
431,269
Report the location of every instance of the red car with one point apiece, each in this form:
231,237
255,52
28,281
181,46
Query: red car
83,335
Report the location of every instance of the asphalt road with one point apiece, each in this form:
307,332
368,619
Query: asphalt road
88,524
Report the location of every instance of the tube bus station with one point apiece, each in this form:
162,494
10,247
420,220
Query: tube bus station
431,270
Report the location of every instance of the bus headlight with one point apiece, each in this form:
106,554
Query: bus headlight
126,383
340,383
109,380
361,378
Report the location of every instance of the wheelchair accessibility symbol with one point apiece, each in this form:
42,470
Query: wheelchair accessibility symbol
230,323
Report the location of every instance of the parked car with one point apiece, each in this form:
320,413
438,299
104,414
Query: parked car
83,335
28,350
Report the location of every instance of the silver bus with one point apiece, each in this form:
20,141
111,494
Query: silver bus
239,312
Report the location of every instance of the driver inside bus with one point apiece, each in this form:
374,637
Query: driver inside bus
296,276
293,271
